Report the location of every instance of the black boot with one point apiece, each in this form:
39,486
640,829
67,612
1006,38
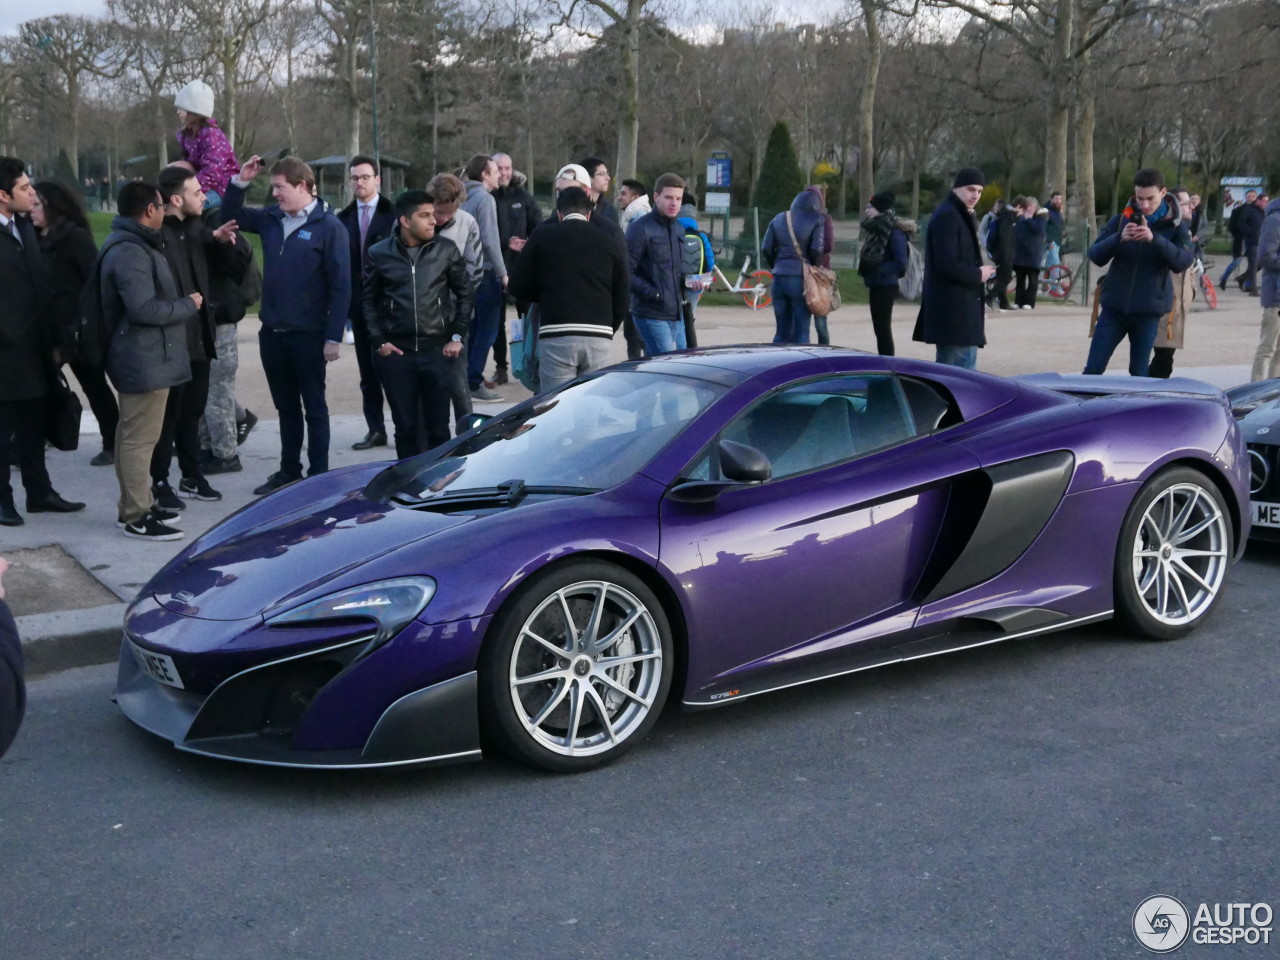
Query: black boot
9,516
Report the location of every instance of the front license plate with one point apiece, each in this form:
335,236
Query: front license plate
1266,514
157,666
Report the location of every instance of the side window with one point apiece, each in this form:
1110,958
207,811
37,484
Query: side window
818,423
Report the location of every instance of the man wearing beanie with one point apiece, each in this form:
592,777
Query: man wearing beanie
882,262
951,307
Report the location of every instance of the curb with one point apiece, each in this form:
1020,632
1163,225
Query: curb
71,638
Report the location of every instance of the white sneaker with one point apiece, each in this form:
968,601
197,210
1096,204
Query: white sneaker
1026,306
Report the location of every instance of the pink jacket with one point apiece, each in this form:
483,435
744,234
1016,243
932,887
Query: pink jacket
210,153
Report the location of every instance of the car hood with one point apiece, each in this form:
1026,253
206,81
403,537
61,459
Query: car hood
265,558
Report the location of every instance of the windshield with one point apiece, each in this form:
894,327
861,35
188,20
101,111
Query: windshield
588,436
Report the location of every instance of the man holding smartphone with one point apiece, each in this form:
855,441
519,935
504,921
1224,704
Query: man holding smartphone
1145,245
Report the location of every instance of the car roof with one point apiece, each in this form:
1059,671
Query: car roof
748,359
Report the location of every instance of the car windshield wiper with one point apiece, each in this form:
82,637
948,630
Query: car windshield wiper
504,494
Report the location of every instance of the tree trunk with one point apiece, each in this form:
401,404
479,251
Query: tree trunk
1062,92
73,109
1085,189
866,107
629,106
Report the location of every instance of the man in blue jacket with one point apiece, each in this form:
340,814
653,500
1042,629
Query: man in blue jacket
1145,246
306,295
655,250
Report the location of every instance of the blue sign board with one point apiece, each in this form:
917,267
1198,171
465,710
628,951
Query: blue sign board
719,171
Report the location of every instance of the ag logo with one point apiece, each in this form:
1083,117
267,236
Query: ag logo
1161,924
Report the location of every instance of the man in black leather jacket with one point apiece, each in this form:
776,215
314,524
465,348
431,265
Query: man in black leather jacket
418,302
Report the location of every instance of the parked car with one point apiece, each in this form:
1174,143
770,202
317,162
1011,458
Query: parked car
697,528
1257,407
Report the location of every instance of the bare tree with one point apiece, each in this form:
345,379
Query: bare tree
345,23
76,48
288,40
153,34
223,31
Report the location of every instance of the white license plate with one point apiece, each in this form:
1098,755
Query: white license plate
1266,514
157,666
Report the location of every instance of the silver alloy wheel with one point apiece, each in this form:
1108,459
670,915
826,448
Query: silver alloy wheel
586,668
1180,554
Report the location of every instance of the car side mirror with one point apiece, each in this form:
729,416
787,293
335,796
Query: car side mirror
742,463
739,464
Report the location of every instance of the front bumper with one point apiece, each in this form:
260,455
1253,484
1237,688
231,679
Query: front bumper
255,715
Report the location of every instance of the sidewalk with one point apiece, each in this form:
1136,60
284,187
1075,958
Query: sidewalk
70,597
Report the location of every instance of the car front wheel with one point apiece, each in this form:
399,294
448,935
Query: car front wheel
1173,555
576,668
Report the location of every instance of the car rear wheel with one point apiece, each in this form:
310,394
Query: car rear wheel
576,667
1173,555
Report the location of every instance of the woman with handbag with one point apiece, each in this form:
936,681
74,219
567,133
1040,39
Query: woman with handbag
66,243
793,242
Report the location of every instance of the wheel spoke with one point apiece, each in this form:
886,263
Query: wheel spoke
1179,588
551,704
597,704
568,620
1162,590
623,690
550,647
606,662
1179,522
1201,553
618,631
575,713
554,673
1148,576
1194,531
1181,565
592,629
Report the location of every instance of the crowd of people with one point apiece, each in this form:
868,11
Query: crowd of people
420,286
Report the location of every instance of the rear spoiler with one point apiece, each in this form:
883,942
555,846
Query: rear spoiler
1082,385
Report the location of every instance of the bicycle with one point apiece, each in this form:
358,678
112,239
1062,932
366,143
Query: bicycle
757,296
1201,269
1055,282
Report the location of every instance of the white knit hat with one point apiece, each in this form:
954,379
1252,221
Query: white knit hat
196,97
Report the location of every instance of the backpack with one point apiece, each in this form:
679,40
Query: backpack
93,336
250,285
912,282
873,249
693,255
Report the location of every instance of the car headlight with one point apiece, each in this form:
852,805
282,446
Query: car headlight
390,604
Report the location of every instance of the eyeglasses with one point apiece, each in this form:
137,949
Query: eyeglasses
361,177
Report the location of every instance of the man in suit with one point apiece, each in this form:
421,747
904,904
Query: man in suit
27,352
369,219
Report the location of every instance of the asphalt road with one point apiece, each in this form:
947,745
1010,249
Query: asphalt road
1014,801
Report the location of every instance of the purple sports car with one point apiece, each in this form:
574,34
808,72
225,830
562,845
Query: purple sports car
700,527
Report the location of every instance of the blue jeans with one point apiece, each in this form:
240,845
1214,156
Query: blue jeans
790,312
1051,256
966,357
661,336
1140,328
1235,262
293,361
484,328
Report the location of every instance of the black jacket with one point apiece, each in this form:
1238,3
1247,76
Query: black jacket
579,283
951,307
27,338
417,305
381,225
227,276
1140,280
1002,237
190,250
655,250
1028,241
1250,224
69,253
518,214
13,692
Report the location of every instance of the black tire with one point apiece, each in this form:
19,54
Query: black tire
571,703
1173,555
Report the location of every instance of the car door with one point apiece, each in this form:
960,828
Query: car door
815,568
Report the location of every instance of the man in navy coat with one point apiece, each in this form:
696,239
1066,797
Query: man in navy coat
951,305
